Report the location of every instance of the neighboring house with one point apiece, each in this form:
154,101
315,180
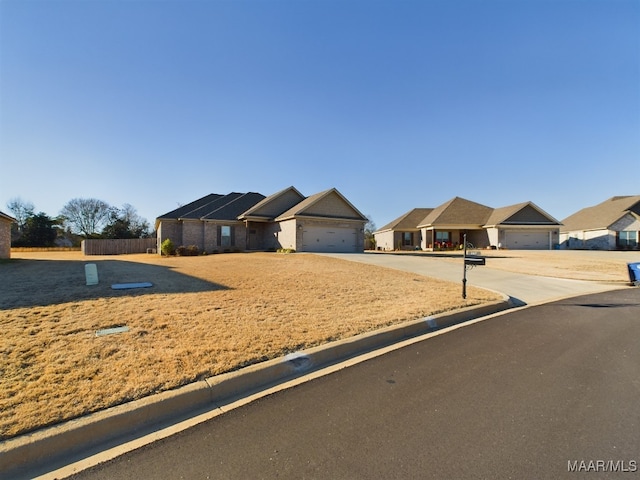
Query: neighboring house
521,226
5,235
324,222
610,225
445,226
403,232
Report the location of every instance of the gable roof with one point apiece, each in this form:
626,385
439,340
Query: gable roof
6,217
408,221
312,207
283,205
273,205
603,215
525,213
457,211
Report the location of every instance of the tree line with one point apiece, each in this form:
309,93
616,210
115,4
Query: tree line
79,219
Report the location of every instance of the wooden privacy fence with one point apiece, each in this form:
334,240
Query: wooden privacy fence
45,249
118,246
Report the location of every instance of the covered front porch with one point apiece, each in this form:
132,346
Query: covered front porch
448,238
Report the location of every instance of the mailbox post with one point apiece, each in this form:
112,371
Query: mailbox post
469,262
464,268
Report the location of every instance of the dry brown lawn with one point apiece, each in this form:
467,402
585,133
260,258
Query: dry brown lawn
203,316
591,265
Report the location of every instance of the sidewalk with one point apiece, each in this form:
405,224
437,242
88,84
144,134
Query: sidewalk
521,288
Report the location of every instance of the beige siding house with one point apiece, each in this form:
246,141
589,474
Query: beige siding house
403,232
523,226
520,226
611,225
324,222
445,226
5,235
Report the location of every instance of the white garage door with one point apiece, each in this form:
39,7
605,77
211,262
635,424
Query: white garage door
527,240
329,239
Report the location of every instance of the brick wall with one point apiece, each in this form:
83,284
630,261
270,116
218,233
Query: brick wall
192,234
5,239
171,229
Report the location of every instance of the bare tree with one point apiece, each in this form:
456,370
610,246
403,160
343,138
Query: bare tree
21,210
369,228
125,223
138,224
86,216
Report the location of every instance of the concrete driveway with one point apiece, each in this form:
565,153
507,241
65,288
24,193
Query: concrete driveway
522,288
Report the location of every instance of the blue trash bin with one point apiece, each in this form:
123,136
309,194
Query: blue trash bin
634,272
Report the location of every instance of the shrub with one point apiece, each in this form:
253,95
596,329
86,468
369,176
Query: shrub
190,251
286,250
167,248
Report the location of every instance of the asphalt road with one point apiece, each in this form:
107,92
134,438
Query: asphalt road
533,393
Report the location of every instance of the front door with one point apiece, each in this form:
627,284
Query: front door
252,240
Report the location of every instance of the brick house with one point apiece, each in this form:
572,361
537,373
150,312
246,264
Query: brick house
5,235
324,222
611,225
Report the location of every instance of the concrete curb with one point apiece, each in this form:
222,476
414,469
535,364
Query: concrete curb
49,446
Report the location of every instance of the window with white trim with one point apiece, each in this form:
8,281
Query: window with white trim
225,236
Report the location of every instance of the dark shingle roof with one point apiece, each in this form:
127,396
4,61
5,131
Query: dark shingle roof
185,209
235,207
205,210
215,207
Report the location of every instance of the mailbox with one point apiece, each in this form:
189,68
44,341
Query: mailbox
475,261
634,272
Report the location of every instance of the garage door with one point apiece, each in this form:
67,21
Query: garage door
328,239
527,240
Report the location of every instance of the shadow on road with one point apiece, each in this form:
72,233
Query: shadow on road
516,302
607,305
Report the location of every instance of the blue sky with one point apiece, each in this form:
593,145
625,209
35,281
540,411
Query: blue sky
398,104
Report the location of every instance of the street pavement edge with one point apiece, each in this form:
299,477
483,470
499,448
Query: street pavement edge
44,450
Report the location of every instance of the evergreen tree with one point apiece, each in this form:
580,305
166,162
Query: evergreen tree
38,231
